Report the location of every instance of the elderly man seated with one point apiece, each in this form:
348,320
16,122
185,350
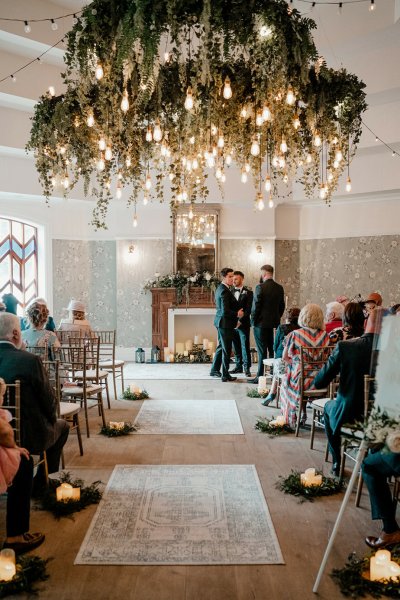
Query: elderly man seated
333,316
40,430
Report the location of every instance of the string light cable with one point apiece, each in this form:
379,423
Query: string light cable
341,4
31,62
51,20
393,151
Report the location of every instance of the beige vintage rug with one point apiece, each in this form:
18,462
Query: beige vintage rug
170,371
210,417
181,515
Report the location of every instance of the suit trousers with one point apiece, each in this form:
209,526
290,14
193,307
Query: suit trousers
376,468
56,441
241,346
19,499
334,439
223,351
264,338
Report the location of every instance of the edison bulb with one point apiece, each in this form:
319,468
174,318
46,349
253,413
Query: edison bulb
147,183
290,97
184,195
99,72
266,113
101,164
322,191
90,120
255,147
218,173
267,184
171,176
190,215
214,130
243,177
338,155
296,121
317,139
348,185
259,118
195,163
210,160
52,91
102,144
330,176
108,153
309,159
125,102
227,93
270,202
157,133
145,200
285,178
135,221
166,57
53,181
189,99
118,193
247,167
221,141
283,145
27,27
335,164
66,182
223,177
282,162
229,160
128,161
259,201
149,135
243,112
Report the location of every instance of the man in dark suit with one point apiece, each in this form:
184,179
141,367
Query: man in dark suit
268,308
352,360
226,319
241,337
40,430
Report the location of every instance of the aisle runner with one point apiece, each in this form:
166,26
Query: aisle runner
211,417
181,515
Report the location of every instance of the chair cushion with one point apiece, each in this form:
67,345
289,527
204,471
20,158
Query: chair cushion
68,409
315,393
319,404
352,433
78,390
269,362
90,374
109,364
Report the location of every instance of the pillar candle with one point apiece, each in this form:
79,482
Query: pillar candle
7,564
197,338
185,353
189,345
179,348
262,383
211,347
380,565
191,358
205,344
171,358
166,353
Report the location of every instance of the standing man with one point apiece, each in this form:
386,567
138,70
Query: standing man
266,313
226,319
241,337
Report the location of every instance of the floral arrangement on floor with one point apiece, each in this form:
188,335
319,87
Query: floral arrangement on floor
117,429
29,570
89,495
271,427
141,395
182,283
256,393
353,582
199,355
292,485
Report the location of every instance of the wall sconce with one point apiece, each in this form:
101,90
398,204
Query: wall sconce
259,249
131,248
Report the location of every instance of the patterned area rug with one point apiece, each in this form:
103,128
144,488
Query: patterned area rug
181,515
210,417
169,371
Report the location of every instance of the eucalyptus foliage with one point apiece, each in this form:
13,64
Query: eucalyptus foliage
154,50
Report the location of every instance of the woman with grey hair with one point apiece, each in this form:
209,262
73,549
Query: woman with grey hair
311,333
76,320
333,316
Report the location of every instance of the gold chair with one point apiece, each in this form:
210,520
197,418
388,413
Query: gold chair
94,373
318,407
108,362
312,359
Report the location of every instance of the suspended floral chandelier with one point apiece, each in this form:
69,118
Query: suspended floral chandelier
161,94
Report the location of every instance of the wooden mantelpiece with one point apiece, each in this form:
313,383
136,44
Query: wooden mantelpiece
164,299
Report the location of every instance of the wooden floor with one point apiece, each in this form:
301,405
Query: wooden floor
302,529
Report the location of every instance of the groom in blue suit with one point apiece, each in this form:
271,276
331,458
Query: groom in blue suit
226,319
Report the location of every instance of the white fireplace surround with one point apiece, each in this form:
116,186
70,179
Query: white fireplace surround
188,312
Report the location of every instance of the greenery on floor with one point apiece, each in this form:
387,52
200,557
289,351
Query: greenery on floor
292,485
254,393
140,395
29,570
354,582
89,495
266,426
115,429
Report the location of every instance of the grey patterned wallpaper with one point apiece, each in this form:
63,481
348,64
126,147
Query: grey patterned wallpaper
242,255
319,270
85,270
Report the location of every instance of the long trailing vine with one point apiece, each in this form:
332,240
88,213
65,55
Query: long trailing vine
152,52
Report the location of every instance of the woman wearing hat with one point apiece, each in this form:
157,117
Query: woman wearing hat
76,320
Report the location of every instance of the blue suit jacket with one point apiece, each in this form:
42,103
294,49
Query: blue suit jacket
227,308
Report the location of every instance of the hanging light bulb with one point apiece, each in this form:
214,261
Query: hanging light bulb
322,191
210,160
309,159
214,151
221,141
189,99
338,156
227,93
102,144
27,27
62,150
145,200
296,121
52,91
101,163
275,161
195,163
66,181
243,177
282,162
192,140
259,118
335,164
330,176
223,177
243,112
214,130
283,146
290,97
99,73
270,202
53,25
317,139
266,113
191,215
147,183
184,195
171,176
108,153
218,173
118,193
135,221
163,150
228,160
128,161
149,135
260,201
285,178
255,147
348,184
53,181
372,6
90,120
166,57
157,133
125,102
267,184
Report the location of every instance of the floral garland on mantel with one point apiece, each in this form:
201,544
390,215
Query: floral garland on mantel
183,283
164,91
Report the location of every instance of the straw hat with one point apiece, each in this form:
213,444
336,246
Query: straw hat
76,305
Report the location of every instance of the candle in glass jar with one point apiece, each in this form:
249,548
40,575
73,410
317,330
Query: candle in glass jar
191,358
185,353
7,564
309,478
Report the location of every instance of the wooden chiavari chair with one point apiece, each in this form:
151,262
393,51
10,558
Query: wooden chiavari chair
108,362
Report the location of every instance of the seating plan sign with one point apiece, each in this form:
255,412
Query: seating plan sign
387,396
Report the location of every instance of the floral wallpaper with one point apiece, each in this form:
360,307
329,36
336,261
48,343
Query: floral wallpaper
320,270
242,255
134,303
85,270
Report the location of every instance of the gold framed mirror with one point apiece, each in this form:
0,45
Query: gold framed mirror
195,239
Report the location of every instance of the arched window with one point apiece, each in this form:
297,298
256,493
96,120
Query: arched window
18,261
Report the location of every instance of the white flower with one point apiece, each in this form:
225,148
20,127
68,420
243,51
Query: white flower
207,276
192,279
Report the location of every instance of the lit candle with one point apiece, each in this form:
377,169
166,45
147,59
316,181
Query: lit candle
166,354
197,339
185,353
262,383
309,478
191,358
7,564
116,424
66,492
211,347
205,344
189,345
171,358
132,388
179,348
379,565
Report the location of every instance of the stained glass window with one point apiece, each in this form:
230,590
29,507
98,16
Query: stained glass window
18,261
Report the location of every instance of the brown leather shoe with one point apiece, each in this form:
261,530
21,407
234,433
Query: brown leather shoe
384,540
31,541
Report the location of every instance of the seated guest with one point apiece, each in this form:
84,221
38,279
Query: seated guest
40,430
280,335
10,302
353,324
376,468
333,316
352,360
2,307
36,335
311,333
373,300
76,320
50,325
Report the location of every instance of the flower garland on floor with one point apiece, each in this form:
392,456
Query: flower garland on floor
89,495
292,485
116,429
182,283
128,395
29,570
255,393
353,583
265,426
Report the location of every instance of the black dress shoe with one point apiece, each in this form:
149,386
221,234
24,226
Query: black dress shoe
254,380
215,374
247,373
30,542
237,370
224,379
335,471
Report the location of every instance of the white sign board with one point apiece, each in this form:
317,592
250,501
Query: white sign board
387,395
